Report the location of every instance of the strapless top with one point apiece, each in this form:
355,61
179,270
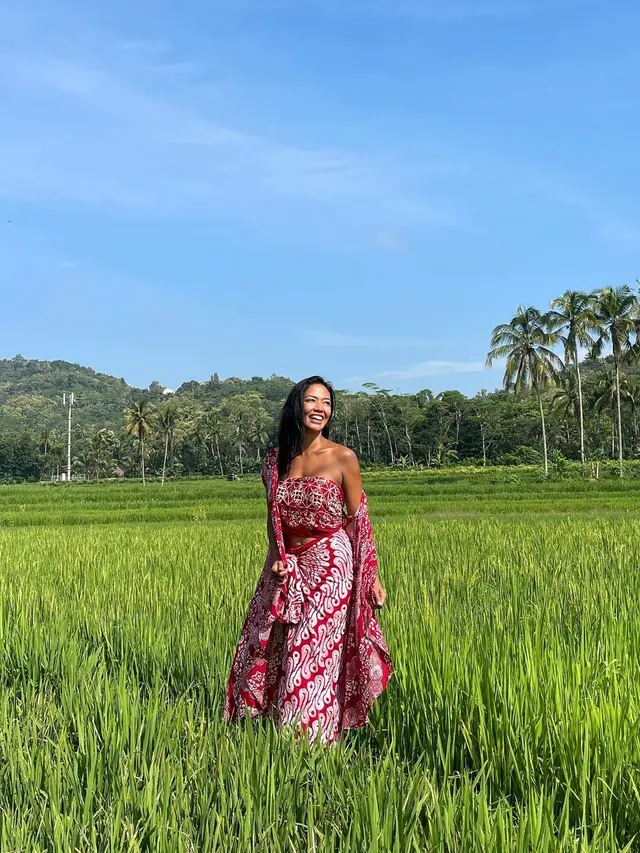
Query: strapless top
309,506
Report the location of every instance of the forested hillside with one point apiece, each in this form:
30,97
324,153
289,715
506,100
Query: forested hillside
223,426
31,395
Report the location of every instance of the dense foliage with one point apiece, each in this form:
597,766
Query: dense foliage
511,723
553,406
223,427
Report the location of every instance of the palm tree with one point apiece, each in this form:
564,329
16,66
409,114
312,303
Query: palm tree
140,420
633,386
525,342
168,423
209,428
47,436
238,413
574,317
260,429
616,313
238,422
566,400
605,396
101,453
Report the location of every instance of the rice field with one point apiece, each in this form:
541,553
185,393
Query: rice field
511,723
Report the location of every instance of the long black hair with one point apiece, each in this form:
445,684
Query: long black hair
291,429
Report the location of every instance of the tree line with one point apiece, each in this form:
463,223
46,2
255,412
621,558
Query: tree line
606,317
571,390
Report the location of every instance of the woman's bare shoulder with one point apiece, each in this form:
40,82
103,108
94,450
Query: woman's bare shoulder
344,456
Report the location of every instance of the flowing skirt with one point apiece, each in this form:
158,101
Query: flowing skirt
290,661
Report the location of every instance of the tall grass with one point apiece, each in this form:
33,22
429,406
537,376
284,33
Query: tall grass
463,491
511,722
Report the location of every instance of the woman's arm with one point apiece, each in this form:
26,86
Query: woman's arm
278,568
273,545
351,480
352,488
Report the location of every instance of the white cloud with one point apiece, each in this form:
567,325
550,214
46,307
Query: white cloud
129,125
389,242
133,128
432,368
559,191
416,372
380,342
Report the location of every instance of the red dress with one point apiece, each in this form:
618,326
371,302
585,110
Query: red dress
311,652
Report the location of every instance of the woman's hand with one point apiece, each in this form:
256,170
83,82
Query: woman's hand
279,571
378,594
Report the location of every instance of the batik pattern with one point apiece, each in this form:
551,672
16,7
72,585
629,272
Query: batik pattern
311,652
309,504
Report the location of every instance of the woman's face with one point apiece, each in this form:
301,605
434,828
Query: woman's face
316,408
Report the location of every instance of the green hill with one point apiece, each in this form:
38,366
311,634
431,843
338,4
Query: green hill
31,395
224,426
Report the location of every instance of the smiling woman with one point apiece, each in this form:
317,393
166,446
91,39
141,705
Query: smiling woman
311,652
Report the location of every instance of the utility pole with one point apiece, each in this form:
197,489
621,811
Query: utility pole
64,403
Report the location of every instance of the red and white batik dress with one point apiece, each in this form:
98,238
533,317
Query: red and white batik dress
311,652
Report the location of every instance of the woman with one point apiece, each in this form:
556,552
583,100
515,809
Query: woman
311,652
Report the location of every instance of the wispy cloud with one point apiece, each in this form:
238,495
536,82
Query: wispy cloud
558,190
389,242
377,342
134,127
421,370
424,369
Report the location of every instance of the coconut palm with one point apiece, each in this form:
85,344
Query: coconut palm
260,428
573,316
605,396
239,415
526,343
633,387
100,455
238,423
140,420
169,418
616,313
566,400
209,428
47,437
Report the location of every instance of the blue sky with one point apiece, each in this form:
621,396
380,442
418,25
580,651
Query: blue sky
358,188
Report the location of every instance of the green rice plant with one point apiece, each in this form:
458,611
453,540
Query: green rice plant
511,723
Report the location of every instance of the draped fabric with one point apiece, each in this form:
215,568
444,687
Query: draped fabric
311,651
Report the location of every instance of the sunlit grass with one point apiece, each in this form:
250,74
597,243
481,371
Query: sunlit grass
511,722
